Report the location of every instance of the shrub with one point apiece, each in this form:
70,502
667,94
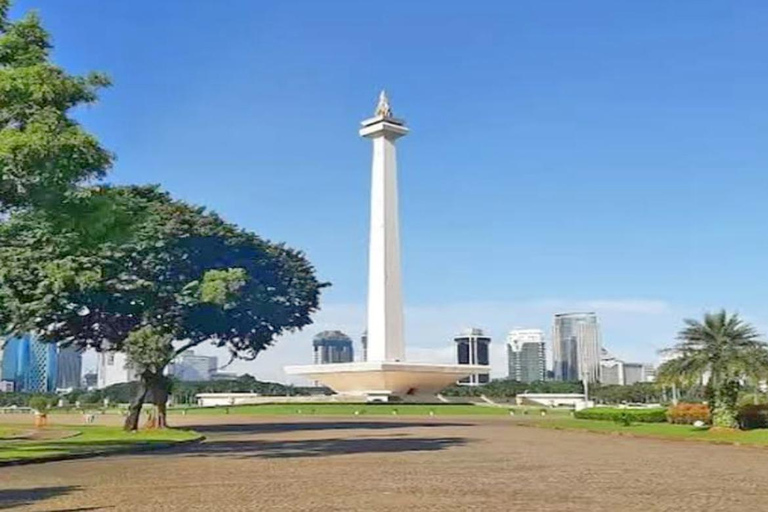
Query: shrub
39,404
753,416
623,416
688,414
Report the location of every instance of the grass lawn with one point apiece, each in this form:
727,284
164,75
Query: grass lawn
758,437
9,431
363,409
88,438
347,409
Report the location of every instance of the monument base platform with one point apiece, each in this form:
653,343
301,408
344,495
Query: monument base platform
383,381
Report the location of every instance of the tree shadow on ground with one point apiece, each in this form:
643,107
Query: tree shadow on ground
272,428
321,447
12,498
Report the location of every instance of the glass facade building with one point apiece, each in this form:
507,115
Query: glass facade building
30,364
526,355
576,347
473,347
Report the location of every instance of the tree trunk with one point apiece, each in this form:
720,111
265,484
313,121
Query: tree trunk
134,411
724,408
159,394
160,399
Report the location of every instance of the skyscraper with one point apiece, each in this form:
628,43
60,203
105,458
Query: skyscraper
576,347
333,347
69,363
473,347
526,355
30,364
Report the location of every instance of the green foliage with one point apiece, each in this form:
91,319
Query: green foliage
184,392
148,350
623,416
22,399
640,392
725,347
688,413
43,151
753,416
220,287
40,404
183,271
507,388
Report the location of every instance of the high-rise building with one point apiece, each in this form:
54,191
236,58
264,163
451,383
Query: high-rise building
30,364
69,362
649,373
526,355
473,347
633,373
333,347
113,369
614,371
611,371
364,343
576,347
192,367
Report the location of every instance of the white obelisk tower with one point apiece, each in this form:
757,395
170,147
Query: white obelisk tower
385,375
385,297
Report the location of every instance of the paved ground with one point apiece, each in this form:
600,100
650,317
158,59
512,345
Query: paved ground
399,464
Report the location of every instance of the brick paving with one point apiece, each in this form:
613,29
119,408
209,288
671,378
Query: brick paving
489,464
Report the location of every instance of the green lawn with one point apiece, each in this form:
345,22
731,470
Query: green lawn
6,432
659,430
88,439
346,409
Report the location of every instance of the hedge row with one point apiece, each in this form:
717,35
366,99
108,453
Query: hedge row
655,415
688,413
753,416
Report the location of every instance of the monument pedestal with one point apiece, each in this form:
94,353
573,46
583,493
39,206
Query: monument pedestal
384,380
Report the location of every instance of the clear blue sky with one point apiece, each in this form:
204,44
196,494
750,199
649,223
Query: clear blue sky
560,150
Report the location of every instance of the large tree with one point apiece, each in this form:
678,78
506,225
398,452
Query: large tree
44,152
180,277
724,349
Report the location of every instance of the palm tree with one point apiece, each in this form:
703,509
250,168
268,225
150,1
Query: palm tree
724,348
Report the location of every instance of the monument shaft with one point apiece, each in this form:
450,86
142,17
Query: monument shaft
385,296
385,300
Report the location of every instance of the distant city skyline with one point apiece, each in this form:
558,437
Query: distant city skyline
611,177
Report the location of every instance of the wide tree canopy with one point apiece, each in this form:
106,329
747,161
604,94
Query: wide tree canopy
180,276
182,269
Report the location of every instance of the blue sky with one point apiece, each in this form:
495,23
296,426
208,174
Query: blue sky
562,154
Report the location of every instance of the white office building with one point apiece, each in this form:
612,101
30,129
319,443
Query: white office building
113,369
